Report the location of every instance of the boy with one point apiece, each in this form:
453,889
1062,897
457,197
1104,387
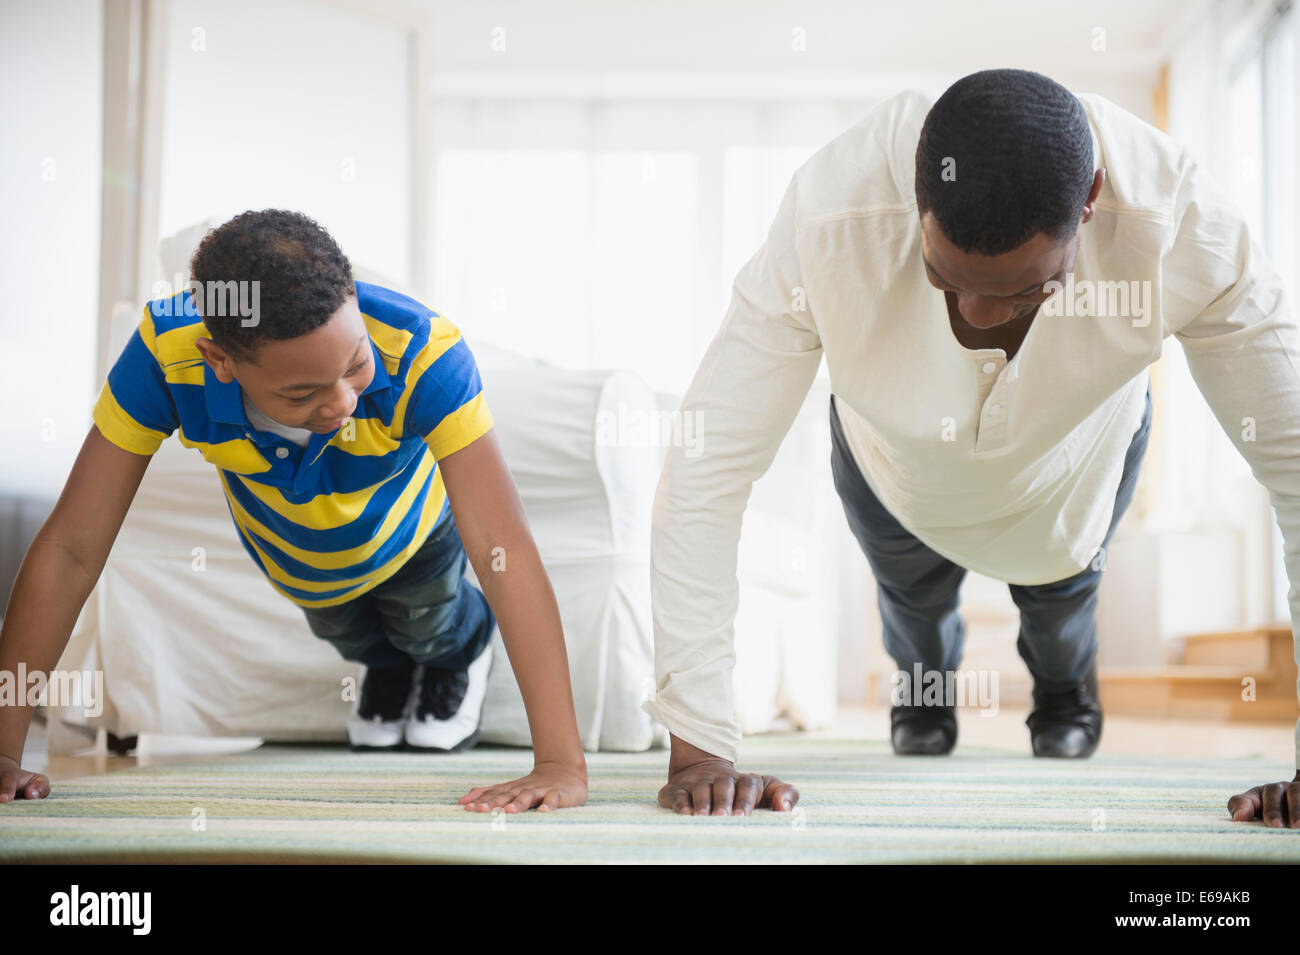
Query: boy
354,445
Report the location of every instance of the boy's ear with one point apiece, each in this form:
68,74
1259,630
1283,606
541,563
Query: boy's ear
221,363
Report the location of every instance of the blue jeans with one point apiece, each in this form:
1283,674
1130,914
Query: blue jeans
917,590
427,611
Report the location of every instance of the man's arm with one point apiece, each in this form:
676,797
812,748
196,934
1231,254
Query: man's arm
742,401
57,575
500,547
1243,350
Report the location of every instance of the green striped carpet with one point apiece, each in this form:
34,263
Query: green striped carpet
859,804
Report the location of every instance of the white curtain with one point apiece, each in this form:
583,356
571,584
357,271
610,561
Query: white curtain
591,232
1232,102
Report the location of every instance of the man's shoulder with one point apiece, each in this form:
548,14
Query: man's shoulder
1144,165
870,167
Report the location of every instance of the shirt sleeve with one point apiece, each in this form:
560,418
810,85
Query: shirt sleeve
135,409
443,398
743,399
1243,350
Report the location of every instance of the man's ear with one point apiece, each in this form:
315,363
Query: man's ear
1090,205
221,363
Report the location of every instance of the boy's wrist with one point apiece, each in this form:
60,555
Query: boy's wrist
576,765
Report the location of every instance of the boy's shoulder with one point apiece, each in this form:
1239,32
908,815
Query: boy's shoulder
170,325
402,327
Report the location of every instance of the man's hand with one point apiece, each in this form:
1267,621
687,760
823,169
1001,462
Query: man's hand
1277,803
549,786
18,783
702,784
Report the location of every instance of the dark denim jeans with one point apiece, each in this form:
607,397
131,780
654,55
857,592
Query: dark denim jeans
917,590
427,611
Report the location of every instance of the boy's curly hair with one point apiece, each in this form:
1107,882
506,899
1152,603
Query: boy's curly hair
302,274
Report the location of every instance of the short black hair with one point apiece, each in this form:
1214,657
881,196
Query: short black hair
1004,155
303,277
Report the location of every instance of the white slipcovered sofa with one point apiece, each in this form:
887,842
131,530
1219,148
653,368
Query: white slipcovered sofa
194,643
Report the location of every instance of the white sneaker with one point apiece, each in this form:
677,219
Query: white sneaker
387,695
448,705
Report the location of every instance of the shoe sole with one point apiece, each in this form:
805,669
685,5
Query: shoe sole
370,735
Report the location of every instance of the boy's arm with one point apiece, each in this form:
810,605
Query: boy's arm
57,575
500,547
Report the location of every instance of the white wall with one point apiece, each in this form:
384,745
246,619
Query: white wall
50,112
294,105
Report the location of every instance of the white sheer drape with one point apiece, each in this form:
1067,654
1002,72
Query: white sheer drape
590,232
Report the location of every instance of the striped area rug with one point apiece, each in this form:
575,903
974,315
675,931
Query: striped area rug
859,803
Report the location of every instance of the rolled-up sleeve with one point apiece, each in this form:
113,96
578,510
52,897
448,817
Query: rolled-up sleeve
1243,350
741,403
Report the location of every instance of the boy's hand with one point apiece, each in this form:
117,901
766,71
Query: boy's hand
1277,803
549,786
18,783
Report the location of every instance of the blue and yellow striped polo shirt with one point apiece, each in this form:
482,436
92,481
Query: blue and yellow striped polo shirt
327,522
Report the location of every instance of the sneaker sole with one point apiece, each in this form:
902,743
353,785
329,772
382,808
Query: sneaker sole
371,735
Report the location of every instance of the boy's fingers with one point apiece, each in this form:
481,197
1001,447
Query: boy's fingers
38,787
8,783
552,801
524,799
472,795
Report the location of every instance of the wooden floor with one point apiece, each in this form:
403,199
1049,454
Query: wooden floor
1121,735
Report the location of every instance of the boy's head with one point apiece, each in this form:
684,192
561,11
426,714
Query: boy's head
1004,180
304,356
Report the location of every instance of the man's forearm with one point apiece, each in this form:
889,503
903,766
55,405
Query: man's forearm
47,597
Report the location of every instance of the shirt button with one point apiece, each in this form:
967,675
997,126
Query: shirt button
281,452
996,409
989,367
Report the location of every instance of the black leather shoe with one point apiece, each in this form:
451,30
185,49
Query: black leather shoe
1066,724
923,730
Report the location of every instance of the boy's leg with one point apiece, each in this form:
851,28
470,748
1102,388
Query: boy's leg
356,631
1058,624
917,591
429,610
433,614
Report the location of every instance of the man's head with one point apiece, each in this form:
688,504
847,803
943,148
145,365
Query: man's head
1004,179
306,357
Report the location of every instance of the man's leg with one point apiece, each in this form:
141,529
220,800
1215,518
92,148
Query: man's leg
433,614
1058,633
917,591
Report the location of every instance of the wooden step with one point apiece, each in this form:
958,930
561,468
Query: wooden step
1249,649
1198,692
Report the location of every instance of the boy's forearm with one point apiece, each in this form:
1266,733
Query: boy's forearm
47,597
524,604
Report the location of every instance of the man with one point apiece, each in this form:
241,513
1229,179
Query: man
988,276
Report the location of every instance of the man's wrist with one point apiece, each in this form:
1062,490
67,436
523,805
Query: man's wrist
685,754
